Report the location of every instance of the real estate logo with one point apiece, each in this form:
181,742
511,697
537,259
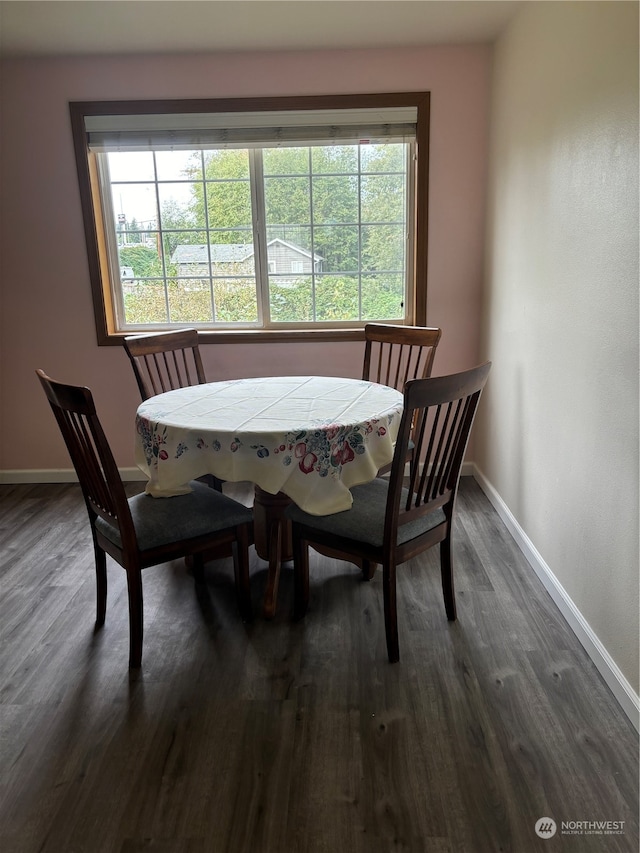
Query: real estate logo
546,827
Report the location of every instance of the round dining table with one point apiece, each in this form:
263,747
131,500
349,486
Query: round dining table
308,439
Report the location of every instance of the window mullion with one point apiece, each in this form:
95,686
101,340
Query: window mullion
167,305
256,177
312,230
207,225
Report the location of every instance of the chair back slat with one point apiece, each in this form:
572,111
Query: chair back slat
438,415
88,466
396,354
164,361
440,461
100,481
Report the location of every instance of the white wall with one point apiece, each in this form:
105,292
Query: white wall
557,433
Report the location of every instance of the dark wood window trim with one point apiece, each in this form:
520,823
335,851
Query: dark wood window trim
108,335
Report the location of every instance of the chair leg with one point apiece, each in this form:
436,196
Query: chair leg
134,588
390,611
101,585
197,566
446,571
274,540
368,570
241,574
212,481
300,576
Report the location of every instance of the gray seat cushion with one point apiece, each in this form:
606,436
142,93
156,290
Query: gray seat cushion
364,522
159,521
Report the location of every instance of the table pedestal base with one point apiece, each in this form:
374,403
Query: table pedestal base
272,533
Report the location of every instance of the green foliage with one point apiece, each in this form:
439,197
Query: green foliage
173,216
235,302
228,194
145,304
335,298
144,261
291,302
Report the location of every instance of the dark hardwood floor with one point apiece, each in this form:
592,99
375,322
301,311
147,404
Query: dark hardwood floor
280,736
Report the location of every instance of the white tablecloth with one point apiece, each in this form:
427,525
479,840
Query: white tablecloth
311,437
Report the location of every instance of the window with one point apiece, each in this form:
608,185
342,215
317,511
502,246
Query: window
270,216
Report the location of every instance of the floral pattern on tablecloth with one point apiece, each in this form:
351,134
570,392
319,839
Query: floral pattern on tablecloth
152,441
328,448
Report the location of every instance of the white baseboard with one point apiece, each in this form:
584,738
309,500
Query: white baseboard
624,693
60,475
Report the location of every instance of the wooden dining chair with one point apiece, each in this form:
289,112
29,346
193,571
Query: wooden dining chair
143,531
391,521
395,354
164,361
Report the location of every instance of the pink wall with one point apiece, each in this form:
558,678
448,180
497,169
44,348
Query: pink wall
47,317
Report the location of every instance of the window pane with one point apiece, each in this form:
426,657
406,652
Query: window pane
335,200
173,254
175,216
177,204
190,257
140,260
144,302
298,235
287,201
338,247
175,165
389,157
226,164
189,300
228,203
134,208
286,258
235,300
182,205
232,259
334,158
382,297
337,298
383,247
131,166
383,198
285,161
291,299
238,240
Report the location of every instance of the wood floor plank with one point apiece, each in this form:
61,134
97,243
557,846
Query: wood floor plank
297,737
